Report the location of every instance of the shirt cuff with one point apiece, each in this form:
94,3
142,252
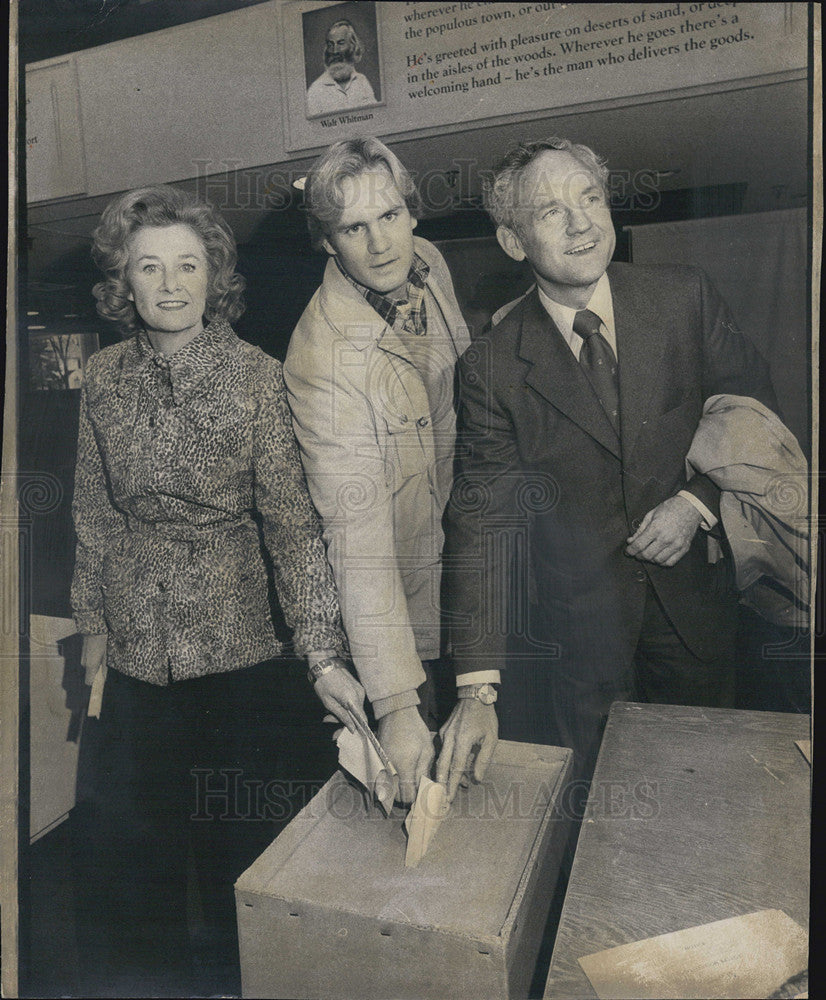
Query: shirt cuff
317,655
478,677
405,699
709,520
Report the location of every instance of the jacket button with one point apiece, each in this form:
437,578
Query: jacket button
422,421
640,575
161,586
402,418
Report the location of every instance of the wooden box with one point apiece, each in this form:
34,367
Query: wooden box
329,909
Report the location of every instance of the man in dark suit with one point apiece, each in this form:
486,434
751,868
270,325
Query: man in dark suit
573,533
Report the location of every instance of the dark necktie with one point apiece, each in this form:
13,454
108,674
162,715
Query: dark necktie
599,363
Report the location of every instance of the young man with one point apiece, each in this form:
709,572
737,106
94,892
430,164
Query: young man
590,387
370,376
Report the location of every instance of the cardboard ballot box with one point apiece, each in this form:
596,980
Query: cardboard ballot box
329,909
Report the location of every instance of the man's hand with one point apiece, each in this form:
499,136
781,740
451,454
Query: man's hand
666,532
93,654
409,744
469,738
341,694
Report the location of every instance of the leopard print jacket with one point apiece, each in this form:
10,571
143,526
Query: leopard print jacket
186,464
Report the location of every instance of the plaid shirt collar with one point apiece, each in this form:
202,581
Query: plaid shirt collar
410,311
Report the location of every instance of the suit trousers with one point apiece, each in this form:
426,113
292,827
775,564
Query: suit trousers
193,782
557,702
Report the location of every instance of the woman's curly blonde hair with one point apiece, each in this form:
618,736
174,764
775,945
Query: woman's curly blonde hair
163,205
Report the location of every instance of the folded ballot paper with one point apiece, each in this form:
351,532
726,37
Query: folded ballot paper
423,820
362,756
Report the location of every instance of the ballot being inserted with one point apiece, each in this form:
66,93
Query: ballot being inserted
746,956
423,820
362,756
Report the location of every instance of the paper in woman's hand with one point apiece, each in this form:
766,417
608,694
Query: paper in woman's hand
96,694
361,755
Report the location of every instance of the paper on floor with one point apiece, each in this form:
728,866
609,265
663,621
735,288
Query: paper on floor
747,956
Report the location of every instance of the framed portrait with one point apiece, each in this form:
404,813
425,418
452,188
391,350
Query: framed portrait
342,64
335,71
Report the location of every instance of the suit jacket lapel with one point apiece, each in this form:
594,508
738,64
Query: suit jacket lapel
556,374
641,343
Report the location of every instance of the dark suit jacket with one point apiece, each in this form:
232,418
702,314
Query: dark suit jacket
546,494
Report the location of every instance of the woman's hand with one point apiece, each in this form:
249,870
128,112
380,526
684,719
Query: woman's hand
93,654
341,694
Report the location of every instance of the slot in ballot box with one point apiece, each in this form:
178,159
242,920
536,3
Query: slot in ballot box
330,911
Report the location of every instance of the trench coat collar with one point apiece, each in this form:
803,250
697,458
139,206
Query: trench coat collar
348,312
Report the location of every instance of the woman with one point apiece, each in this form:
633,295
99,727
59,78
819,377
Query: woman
187,470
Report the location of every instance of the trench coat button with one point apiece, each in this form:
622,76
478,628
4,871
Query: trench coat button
422,421
402,418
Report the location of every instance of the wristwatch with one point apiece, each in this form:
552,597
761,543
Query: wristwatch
322,667
486,693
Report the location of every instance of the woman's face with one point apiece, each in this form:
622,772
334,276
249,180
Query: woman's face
168,278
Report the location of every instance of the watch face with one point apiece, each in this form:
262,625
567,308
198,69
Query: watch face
487,694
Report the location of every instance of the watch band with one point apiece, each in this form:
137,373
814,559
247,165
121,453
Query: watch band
486,693
322,667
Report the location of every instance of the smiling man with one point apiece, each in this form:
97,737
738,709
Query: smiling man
370,376
340,86
577,411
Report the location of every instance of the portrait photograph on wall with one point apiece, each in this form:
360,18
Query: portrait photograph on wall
341,58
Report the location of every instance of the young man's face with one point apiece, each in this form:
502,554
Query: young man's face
373,238
563,227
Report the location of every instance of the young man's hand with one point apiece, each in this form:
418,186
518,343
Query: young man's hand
409,744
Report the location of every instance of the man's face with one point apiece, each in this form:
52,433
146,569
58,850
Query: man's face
373,238
563,227
339,53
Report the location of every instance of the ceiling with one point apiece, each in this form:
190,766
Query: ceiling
49,28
